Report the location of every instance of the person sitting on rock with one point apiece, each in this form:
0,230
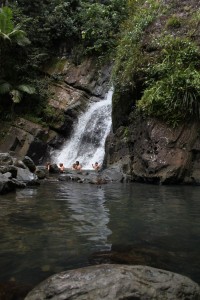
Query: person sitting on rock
61,167
96,166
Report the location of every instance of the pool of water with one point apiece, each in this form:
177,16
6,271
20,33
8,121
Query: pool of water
58,225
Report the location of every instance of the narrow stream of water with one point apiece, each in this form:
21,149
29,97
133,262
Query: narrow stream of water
58,225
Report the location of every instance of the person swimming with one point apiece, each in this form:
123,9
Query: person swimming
78,166
61,167
74,166
96,166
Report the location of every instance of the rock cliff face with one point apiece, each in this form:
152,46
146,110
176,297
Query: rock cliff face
76,88
152,152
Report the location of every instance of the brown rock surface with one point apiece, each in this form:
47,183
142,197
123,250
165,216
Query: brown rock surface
157,153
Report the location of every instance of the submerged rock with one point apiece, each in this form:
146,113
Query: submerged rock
114,282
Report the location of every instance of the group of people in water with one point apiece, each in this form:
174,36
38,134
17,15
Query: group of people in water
75,166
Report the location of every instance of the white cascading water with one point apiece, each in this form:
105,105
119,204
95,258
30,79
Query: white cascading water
87,143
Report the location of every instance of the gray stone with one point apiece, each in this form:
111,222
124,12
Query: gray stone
25,175
29,163
5,159
19,163
6,185
41,173
9,168
114,282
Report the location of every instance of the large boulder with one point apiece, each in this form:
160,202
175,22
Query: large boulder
114,282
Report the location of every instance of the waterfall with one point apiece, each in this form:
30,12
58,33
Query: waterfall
87,142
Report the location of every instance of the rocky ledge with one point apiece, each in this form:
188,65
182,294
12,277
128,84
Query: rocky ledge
113,282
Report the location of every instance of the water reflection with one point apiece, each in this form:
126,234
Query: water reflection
58,225
26,193
89,218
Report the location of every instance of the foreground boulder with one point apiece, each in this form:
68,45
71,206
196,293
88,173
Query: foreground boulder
116,282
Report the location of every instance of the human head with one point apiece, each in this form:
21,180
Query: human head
77,162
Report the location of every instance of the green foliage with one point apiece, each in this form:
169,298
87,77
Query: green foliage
48,23
194,22
54,28
15,91
173,84
100,24
173,22
130,58
5,87
11,36
7,30
34,104
52,115
6,24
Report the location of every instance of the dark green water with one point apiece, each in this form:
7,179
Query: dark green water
58,225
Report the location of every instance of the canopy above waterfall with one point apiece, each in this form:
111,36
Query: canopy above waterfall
87,141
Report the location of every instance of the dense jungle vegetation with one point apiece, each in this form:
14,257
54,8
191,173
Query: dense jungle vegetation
33,32
154,45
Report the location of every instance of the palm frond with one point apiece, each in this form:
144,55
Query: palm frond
4,36
8,31
26,88
6,24
5,87
19,36
16,96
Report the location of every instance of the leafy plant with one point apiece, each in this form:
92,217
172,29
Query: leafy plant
9,33
173,22
15,91
52,115
100,24
129,55
173,85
